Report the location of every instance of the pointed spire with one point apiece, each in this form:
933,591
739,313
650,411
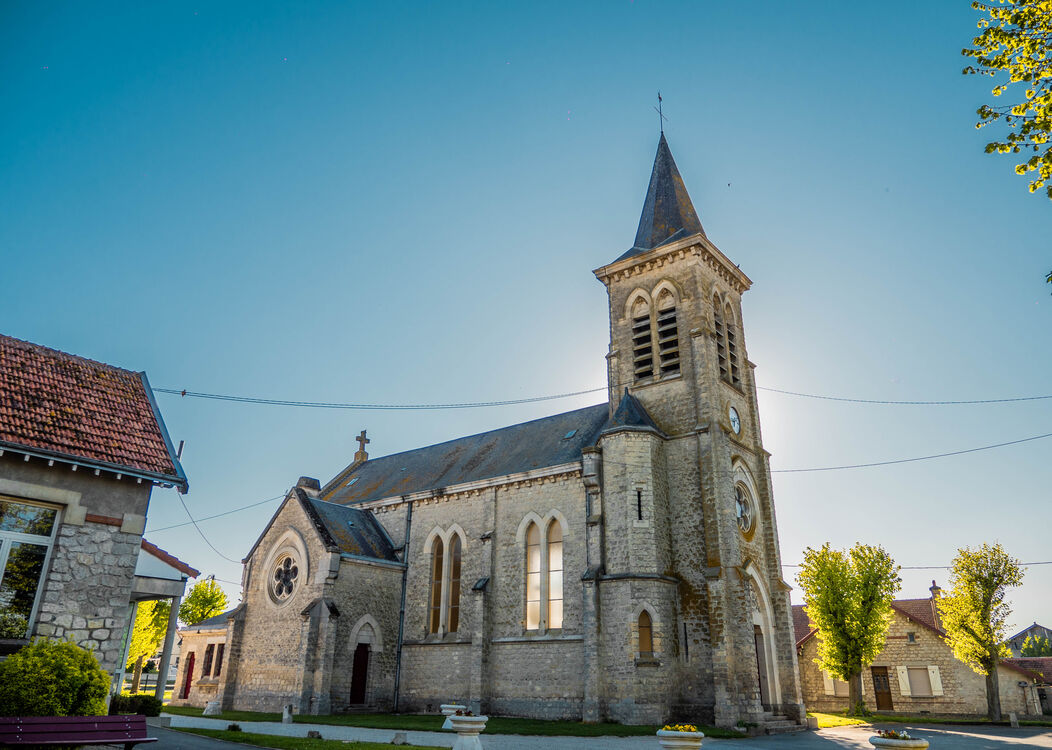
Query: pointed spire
668,214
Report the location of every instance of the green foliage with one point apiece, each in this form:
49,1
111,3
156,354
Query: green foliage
848,595
205,600
13,625
147,705
151,623
1039,646
1016,40
52,678
974,613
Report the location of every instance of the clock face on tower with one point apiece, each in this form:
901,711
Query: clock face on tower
736,422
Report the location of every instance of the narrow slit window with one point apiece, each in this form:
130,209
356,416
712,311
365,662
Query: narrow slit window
219,660
668,335
206,669
435,620
639,505
533,577
454,584
646,635
732,350
555,576
721,342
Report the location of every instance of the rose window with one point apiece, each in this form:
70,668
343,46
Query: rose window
285,579
743,509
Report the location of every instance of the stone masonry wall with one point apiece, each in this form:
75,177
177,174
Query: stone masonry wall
202,688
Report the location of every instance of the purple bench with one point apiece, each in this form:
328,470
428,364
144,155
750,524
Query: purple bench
128,730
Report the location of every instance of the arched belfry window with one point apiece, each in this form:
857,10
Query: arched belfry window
646,635
435,619
453,599
544,577
642,340
667,334
721,338
732,348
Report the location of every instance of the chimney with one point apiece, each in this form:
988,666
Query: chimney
935,591
310,485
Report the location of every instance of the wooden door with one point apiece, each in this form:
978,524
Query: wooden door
359,673
761,667
188,675
882,689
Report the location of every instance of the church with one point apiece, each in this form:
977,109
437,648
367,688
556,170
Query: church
618,562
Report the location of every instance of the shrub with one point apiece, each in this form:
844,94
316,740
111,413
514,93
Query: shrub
52,678
147,705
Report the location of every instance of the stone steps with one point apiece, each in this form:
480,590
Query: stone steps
778,724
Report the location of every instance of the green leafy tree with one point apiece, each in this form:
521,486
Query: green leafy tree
205,600
151,624
848,595
1016,41
974,613
52,678
1039,646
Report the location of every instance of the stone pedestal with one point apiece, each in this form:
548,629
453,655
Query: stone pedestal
468,729
671,738
885,742
448,709
212,709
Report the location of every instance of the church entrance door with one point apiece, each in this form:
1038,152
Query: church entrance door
188,675
359,672
761,667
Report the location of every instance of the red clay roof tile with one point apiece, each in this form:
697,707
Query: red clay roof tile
169,558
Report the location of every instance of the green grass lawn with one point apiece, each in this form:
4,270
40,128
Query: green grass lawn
294,743
433,723
835,720
840,720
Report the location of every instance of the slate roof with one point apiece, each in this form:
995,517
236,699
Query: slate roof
66,406
630,413
668,214
350,530
538,444
169,558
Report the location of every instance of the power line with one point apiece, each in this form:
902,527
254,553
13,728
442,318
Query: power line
217,515
904,403
183,503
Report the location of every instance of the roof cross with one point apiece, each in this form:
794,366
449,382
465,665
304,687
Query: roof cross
661,116
361,455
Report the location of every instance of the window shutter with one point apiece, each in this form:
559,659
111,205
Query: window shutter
936,680
827,683
904,681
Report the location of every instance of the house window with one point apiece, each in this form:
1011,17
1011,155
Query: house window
544,578
642,341
435,620
721,340
668,335
732,349
911,637
454,584
219,660
646,635
920,682
206,666
27,533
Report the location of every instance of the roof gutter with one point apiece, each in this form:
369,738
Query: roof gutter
155,477
183,485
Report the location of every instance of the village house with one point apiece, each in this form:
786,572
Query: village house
619,561
916,673
1035,631
82,445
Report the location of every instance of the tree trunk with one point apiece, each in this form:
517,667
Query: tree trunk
136,676
855,706
993,692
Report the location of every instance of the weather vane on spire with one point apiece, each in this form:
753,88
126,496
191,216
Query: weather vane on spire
661,117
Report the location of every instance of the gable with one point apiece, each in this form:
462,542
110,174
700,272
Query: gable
538,444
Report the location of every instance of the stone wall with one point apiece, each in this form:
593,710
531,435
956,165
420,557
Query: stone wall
203,688
964,691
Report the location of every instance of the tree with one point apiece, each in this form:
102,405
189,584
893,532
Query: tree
1039,646
151,623
1016,40
205,600
848,595
974,613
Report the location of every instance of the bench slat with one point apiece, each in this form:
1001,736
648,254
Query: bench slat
127,729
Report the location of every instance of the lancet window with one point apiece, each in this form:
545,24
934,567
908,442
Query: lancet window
544,577
721,338
435,619
642,341
655,324
667,334
444,600
732,349
645,627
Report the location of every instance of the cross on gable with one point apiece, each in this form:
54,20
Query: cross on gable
362,442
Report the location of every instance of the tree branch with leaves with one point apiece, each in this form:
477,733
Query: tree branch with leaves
848,596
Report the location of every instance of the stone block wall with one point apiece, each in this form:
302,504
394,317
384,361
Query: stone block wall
203,688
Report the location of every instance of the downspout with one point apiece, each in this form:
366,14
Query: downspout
401,611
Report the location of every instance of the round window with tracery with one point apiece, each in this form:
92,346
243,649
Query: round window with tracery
284,580
743,509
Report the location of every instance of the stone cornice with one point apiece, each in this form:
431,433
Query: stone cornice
696,245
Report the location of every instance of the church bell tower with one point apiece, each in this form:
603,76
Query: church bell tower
686,497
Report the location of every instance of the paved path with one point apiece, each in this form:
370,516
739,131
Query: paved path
942,737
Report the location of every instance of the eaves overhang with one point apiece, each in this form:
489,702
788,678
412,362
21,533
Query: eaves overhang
164,480
699,244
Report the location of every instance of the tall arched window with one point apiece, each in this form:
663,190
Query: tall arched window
667,334
533,577
435,620
646,635
555,576
642,340
721,341
732,348
454,584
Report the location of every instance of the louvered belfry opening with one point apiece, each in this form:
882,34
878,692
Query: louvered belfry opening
732,350
642,341
721,341
668,335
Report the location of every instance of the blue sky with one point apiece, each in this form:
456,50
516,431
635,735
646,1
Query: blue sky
404,202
